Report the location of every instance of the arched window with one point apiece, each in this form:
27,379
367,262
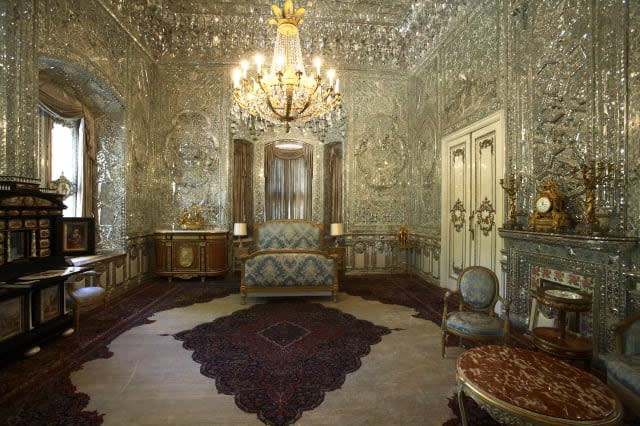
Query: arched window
288,178
68,160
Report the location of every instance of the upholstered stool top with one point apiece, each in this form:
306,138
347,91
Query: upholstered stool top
524,381
89,293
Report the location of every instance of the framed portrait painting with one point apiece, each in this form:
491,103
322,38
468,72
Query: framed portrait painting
77,235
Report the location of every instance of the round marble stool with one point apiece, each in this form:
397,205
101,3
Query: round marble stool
519,386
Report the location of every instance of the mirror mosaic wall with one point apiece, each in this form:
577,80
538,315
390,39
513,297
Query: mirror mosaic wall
566,73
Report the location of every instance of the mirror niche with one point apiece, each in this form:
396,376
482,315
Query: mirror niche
287,178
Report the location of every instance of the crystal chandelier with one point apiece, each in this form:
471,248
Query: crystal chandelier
286,95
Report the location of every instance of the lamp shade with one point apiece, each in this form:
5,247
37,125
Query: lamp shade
240,229
336,229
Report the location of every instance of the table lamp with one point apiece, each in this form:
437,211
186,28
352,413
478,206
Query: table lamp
336,230
240,230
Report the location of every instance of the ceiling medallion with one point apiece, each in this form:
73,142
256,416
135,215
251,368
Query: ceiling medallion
286,95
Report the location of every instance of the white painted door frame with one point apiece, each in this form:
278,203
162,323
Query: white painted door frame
472,199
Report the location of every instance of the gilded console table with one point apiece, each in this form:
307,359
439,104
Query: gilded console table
190,253
522,387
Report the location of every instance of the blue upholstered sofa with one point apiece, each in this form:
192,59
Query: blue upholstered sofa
289,260
623,366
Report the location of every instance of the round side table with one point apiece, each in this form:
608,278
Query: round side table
558,340
522,387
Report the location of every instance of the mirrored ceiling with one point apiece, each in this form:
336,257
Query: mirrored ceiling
351,34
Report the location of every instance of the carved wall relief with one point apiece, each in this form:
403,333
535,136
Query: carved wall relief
632,186
377,158
194,153
191,154
380,153
471,69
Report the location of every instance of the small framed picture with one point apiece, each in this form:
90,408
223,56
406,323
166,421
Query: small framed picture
77,235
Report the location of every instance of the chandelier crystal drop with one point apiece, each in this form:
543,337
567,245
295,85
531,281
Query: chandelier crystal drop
287,94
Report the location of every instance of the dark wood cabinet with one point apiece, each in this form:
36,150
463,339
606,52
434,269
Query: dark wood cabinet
33,271
191,253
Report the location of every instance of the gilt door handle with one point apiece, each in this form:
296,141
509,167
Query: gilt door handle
472,224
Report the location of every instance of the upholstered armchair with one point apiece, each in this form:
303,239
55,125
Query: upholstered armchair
623,366
478,292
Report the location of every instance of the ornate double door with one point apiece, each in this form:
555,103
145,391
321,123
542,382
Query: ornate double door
472,199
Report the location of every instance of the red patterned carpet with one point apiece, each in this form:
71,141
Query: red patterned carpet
278,359
38,390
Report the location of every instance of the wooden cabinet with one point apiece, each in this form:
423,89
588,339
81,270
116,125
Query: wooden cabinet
191,253
33,270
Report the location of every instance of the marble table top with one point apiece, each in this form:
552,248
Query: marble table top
536,382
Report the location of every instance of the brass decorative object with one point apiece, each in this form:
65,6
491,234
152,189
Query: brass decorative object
403,235
550,214
485,216
191,218
457,215
593,174
511,189
64,186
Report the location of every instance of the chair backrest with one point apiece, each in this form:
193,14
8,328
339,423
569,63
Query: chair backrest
289,234
478,287
631,337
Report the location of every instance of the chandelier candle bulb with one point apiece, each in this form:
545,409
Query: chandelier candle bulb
236,78
317,62
259,61
331,75
337,85
245,67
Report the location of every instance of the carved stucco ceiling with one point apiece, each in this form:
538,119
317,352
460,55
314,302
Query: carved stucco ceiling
352,33
380,12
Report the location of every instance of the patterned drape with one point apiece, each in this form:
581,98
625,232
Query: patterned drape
57,103
288,175
334,182
242,182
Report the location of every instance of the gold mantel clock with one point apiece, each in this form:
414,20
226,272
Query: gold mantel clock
549,213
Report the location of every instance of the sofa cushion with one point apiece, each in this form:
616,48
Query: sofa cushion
475,323
289,270
631,337
625,369
288,235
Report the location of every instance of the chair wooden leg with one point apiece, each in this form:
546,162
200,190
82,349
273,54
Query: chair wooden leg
76,317
444,341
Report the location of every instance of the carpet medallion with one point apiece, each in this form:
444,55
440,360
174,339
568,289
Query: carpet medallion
279,359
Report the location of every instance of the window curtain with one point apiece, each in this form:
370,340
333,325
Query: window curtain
56,102
242,181
334,182
288,175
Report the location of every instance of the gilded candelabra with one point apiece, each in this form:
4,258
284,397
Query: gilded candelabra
593,174
511,189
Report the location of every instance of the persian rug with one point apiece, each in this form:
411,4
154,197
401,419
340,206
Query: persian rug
279,359
38,390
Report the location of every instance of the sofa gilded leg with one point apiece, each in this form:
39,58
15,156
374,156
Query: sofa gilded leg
243,293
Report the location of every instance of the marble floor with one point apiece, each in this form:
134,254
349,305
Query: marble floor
152,380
